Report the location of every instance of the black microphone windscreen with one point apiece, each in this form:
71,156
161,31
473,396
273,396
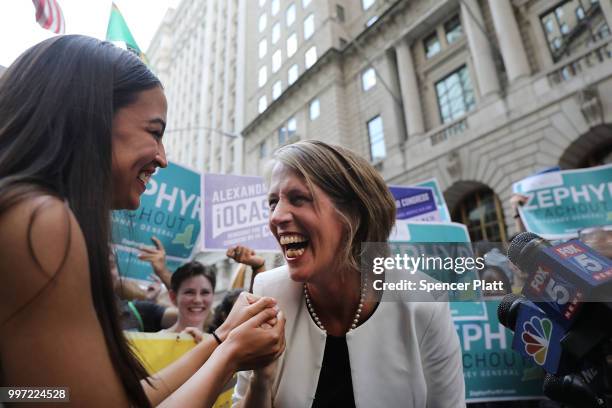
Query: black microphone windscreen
518,243
503,310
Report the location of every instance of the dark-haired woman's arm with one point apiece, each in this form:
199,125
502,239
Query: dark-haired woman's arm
246,308
252,344
49,330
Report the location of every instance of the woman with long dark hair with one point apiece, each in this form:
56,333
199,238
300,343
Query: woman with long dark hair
81,126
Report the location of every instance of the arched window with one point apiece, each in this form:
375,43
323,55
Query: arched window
482,213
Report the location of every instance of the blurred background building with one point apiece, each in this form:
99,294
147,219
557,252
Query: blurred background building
476,93
198,53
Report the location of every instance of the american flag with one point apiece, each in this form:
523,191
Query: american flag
49,15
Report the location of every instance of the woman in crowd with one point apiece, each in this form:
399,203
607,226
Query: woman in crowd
344,348
81,125
192,288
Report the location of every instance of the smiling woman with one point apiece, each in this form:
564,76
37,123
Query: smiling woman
81,125
137,146
192,291
345,348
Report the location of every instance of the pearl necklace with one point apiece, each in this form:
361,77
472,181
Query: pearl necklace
357,313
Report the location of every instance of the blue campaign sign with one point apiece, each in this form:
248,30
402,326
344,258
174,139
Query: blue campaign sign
493,371
440,202
236,211
561,203
169,210
452,234
415,203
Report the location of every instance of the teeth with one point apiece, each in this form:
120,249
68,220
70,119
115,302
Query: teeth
143,177
292,239
294,253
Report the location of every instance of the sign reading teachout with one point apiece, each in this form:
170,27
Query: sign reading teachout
169,210
235,212
563,202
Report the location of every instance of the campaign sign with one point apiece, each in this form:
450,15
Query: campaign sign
236,211
415,203
436,239
440,202
169,210
561,203
493,371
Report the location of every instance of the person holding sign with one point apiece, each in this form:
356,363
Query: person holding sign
344,347
81,126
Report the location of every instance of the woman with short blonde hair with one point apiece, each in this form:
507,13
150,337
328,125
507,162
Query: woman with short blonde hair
344,346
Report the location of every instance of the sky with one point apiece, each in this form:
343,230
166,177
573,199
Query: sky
19,29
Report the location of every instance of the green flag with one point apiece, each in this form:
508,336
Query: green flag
119,33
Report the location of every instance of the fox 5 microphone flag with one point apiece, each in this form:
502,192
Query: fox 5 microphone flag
49,15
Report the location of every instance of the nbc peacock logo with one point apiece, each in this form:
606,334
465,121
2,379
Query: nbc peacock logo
536,337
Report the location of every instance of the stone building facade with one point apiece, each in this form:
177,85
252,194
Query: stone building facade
197,52
476,93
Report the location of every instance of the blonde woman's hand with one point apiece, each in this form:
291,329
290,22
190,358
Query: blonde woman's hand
255,345
246,306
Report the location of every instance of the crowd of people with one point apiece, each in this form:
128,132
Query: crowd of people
81,132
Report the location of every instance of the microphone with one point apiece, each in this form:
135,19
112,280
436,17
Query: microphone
536,336
571,389
563,277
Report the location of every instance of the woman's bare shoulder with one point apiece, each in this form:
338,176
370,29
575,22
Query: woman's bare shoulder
39,238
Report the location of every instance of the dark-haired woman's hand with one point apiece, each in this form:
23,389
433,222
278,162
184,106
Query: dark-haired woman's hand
255,344
246,306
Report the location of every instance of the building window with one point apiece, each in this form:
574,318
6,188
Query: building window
262,104
291,127
377,139
277,89
305,3
282,135
263,76
263,20
310,57
482,214
263,48
292,74
366,4
308,26
573,24
275,33
432,45
455,95
340,13
275,7
286,131
276,60
453,30
368,79
263,150
291,45
314,109
290,15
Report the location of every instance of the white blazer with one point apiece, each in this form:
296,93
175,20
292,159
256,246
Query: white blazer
406,354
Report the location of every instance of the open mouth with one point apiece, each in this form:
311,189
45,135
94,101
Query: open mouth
196,309
144,177
293,245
